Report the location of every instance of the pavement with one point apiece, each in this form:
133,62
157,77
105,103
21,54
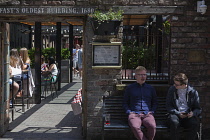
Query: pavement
49,120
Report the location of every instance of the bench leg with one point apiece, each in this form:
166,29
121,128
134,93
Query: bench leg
200,132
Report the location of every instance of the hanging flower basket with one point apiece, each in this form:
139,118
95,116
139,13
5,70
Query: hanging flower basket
106,23
106,27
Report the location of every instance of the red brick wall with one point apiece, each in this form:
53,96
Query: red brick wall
190,53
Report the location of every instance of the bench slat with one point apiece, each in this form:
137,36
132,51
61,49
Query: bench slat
113,106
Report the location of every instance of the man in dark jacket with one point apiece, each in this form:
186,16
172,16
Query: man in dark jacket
183,107
140,103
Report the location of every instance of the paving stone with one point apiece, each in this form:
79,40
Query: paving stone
49,120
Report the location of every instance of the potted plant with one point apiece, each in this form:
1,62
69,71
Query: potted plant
106,23
65,62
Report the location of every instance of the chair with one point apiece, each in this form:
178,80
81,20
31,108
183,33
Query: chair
45,91
46,81
53,84
20,100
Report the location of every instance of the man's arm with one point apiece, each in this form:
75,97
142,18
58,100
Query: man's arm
196,104
154,100
126,101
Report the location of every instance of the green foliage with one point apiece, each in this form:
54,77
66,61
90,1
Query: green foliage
48,52
31,54
65,53
104,16
134,55
166,27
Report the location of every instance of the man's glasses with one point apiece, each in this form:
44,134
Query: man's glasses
176,85
142,75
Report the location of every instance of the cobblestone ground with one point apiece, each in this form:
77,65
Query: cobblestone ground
50,120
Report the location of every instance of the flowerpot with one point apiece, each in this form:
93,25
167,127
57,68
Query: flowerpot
65,68
106,28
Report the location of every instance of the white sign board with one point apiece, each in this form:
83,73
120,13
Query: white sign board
106,55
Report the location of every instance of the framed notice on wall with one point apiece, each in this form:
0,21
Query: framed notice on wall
106,54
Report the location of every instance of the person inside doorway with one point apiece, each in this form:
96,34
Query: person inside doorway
15,69
14,87
50,74
44,65
15,64
183,107
80,53
28,82
140,104
75,59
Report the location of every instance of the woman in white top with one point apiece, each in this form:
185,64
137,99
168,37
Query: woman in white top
15,69
52,68
16,64
14,87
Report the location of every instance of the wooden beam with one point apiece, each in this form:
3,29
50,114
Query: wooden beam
38,47
58,50
41,18
71,46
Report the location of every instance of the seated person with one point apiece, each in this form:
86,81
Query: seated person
15,64
140,103
183,106
24,57
14,87
43,64
28,83
16,73
53,70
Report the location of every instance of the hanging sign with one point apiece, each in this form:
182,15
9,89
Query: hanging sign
106,54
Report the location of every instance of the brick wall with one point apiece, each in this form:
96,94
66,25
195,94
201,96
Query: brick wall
92,2
95,84
190,53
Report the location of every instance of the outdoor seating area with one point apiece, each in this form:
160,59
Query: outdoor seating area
32,124
112,105
24,99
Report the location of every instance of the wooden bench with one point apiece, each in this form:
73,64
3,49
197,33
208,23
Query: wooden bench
113,105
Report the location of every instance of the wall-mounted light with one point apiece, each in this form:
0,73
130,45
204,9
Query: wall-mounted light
201,7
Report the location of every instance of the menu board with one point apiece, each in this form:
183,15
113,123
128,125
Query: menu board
106,55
